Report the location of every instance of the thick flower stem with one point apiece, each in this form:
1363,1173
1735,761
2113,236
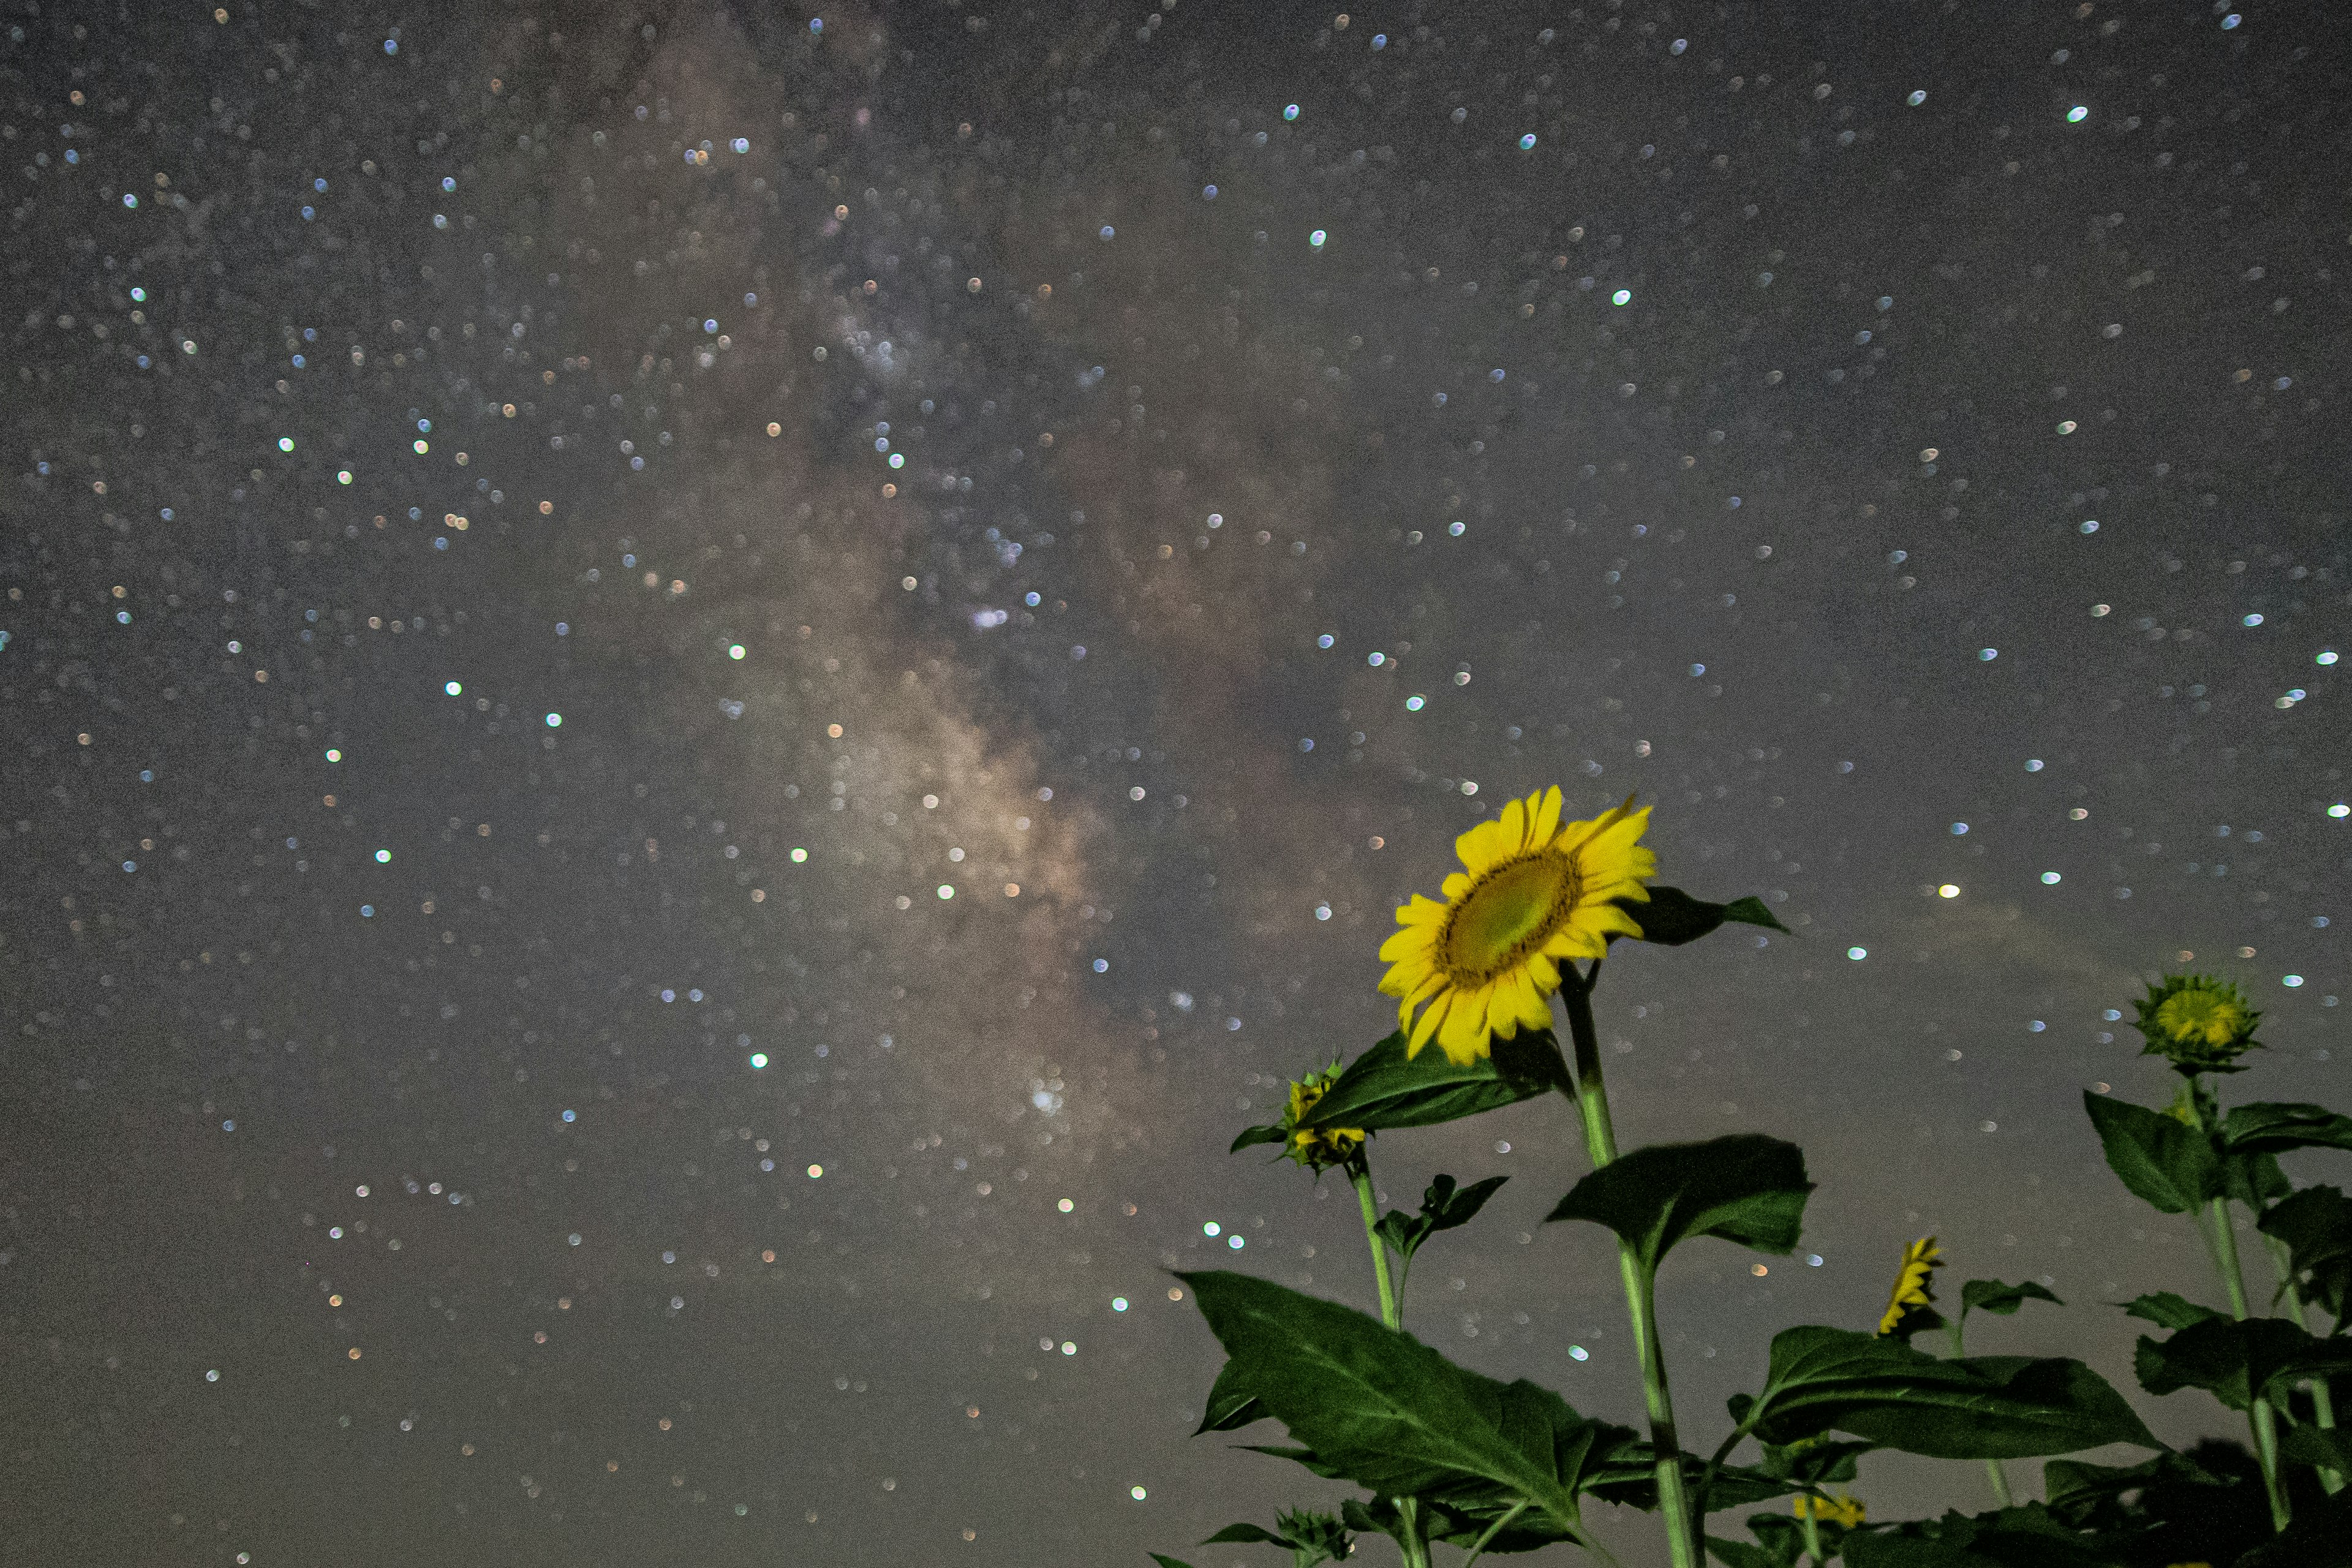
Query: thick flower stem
1641,1299
1360,1172
2224,1242
1391,1308
1813,1533
2322,1400
2263,1419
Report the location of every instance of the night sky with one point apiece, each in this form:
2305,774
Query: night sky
693,698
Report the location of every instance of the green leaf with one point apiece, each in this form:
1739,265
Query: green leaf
1670,916
1404,1232
1745,1188
1742,1554
2316,1224
1271,1133
1813,1461
2254,1180
1449,1208
2205,1505
1382,1088
1386,1411
1234,1533
2004,1300
1231,1404
2169,1310
2265,1128
2167,1165
2237,1362
1974,1407
2026,1537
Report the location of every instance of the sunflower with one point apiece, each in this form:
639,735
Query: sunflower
1530,894
1915,1286
2197,1022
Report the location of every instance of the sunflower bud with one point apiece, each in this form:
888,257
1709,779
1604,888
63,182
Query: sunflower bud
1316,1148
2197,1022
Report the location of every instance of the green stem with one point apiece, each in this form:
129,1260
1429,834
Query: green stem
1641,1297
1360,1173
1493,1530
1812,1531
2322,1400
2223,1240
1993,1472
2263,1418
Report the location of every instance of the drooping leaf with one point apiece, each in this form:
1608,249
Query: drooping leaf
2268,1128
1382,1088
1231,1405
1973,1407
2003,1299
1745,1188
2026,1537
1385,1410
2238,1362
2327,1448
2166,1310
1670,916
2167,1164
2316,1224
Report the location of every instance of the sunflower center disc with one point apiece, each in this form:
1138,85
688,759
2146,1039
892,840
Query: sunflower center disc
1513,909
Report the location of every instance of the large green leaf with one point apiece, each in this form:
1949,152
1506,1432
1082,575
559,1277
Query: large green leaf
1671,917
1310,1538
2165,1164
2205,1505
1973,1407
1745,1188
1746,1554
2026,1537
2316,1224
1388,1412
1384,1089
2237,1362
2265,1128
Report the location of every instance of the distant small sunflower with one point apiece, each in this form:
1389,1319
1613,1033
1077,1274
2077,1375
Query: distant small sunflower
2197,1022
1846,1512
1531,894
1914,1285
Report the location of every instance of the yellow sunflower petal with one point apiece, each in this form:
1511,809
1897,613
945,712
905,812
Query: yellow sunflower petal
1463,1036
1543,816
1454,887
1430,1019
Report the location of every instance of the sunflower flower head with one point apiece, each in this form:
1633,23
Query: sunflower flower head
2197,1022
1316,1148
1532,893
1915,1288
1845,1511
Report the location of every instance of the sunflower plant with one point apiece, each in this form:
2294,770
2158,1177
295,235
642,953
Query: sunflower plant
1442,1457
